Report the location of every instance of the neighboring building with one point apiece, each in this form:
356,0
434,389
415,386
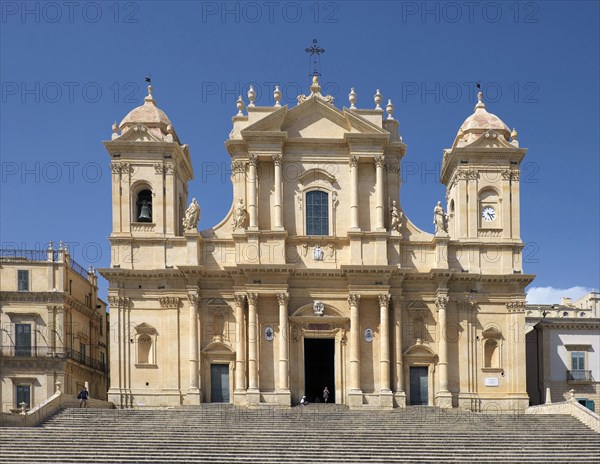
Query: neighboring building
315,277
563,351
590,301
54,328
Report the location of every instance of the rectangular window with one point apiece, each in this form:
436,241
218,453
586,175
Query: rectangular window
23,280
577,360
24,395
22,339
317,213
102,359
82,353
101,324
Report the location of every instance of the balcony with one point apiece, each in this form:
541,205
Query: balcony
47,352
579,376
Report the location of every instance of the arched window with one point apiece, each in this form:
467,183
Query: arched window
491,353
317,213
144,206
144,349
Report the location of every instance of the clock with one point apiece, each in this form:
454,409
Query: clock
488,214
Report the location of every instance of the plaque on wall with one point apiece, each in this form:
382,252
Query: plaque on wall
269,333
369,335
492,382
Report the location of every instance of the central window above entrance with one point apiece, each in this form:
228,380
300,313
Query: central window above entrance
317,213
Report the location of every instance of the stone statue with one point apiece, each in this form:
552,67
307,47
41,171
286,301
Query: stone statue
240,216
192,216
318,253
396,217
440,219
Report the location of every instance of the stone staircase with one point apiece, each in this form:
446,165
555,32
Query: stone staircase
312,434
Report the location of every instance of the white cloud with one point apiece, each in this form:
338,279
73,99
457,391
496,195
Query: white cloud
551,295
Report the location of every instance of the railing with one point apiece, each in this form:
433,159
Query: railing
579,375
26,255
78,268
48,352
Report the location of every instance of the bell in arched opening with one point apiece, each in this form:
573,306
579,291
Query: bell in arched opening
144,206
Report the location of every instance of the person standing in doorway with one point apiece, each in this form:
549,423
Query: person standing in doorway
326,394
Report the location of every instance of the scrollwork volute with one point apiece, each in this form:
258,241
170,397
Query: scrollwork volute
441,302
239,300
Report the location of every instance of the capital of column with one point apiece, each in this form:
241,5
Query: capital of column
277,159
353,161
239,300
384,299
283,298
441,302
252,160
379,161
252,298
354,299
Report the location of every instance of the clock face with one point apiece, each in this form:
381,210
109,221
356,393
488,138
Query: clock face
488,214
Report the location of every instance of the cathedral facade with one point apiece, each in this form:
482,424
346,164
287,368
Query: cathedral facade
315,277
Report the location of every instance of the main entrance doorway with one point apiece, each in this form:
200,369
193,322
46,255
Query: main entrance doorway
419,385
219,383
319,369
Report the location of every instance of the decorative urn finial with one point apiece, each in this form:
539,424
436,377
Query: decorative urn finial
251,96
277,96
514,134
315,87
389,109
352,98
240,106
378,98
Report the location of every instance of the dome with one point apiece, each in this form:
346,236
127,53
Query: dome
148,114
481,121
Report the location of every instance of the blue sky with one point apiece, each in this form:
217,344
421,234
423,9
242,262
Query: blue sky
69,69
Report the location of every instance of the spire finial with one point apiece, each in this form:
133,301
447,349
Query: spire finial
315,87
378,98
251,96
480,104
277,96
149,98
352,98
389,109
240,106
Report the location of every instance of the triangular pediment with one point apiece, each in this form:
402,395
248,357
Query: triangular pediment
314,118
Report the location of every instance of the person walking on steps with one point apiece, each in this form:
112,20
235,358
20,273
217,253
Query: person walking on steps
326,394
83,398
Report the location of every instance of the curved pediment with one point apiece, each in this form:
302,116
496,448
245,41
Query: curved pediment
314,174
145,328
418,349
217,347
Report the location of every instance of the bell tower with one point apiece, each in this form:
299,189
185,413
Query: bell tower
150,169
481,173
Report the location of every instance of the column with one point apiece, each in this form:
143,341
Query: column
353,300
170,203
252,342
240,362
194,352
354,193
443,395
252,164
379,160
398,354
278,196
384,334
282,298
